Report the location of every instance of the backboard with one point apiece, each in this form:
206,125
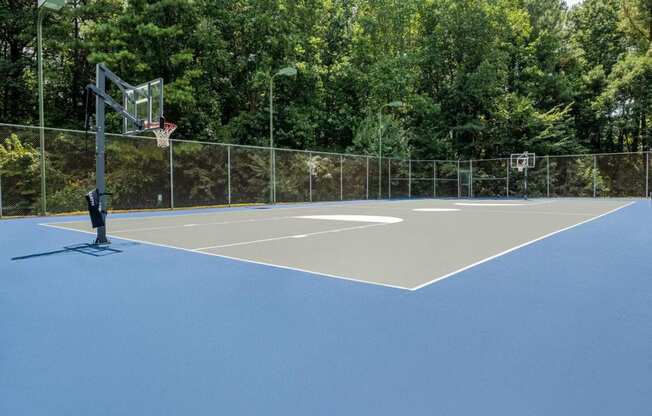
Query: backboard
144,102
523,160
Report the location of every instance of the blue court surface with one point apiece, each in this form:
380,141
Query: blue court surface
559,326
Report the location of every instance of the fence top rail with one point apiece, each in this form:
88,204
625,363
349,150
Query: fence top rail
641,153
433,161
247,146
499,159
372,156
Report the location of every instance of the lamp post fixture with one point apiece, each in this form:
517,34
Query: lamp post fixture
394,104
285,72
54,5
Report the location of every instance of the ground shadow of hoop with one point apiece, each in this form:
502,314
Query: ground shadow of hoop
86,249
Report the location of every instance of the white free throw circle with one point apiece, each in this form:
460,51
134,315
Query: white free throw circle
436,209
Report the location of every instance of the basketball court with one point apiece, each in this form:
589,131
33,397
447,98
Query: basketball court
402,244
366,307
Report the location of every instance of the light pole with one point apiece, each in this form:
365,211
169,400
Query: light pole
394,104
55,5
286,72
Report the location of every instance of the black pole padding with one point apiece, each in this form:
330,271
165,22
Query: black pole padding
94,208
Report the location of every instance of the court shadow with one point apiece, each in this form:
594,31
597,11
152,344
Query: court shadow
86,249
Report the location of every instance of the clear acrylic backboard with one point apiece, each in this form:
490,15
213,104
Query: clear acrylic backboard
144,102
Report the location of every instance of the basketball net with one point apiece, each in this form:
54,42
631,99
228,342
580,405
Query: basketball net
163,135
521,163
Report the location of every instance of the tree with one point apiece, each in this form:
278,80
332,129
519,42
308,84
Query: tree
19,169
17,46
628,99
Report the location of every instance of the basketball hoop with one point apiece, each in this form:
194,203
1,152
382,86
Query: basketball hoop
521,164
522,161
163,135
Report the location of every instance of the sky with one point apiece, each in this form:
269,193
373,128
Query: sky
573,2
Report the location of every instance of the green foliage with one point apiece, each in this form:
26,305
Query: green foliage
70,197
395,137
482,78
17,37
19,170
628,98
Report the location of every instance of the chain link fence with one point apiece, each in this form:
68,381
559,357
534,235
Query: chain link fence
189,174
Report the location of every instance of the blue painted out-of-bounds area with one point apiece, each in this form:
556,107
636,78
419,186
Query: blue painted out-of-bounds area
559,327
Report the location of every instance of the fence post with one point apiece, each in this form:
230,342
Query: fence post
508,167
44,194
471,178
459,189
389,178
410,178
647,175
341,179
367,182
274,164
271,174
171,175
228,172
595,175
0,196
310,175
434,179
380,177
548,176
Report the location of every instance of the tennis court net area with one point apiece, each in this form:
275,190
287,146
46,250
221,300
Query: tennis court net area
401,244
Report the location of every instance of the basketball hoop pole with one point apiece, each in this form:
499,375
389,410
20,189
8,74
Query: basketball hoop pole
100,142
527,164
525,181
101,99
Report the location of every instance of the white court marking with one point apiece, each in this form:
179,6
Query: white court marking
436,209
354,218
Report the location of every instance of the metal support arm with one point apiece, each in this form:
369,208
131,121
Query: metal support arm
115,105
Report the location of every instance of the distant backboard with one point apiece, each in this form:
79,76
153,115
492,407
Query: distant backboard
523,160
145,102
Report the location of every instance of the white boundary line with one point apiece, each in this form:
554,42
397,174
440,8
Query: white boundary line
276,266
446,276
